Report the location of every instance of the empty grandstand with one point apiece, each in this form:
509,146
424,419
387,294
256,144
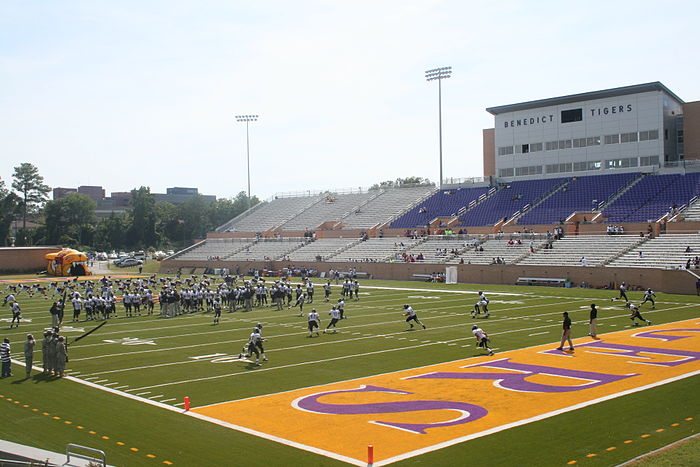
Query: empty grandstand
582,250
652,197
444,203
265,216
665,252
509,201
579,194
322,249
377,249
387,202
498,251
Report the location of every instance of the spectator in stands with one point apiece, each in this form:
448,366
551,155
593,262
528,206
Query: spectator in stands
583,261
688,249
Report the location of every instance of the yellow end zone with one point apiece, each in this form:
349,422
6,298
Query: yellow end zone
410,412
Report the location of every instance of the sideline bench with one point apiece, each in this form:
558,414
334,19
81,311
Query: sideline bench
348,275
542,281
429,277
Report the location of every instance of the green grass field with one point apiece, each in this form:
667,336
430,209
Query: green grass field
167,359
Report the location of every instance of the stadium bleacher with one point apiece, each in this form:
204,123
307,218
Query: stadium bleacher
664,252
582,250
330,208
268,249
388,201
323,247
221,248
508,200
692,213
376,249
269,215
444,203
652,197
579,194
496,248
625,197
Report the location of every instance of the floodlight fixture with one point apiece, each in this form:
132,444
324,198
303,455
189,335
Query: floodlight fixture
247,119
439,74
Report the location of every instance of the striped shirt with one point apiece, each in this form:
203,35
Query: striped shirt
5,352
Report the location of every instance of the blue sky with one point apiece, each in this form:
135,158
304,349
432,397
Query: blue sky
124,94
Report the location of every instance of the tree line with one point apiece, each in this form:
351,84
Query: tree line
71,221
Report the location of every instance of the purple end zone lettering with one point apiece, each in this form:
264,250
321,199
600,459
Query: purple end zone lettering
634,351
468,412
518,382
665,337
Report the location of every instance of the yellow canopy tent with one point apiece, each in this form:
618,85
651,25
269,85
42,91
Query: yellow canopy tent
67,262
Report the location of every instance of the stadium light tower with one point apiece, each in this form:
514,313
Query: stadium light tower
247,119
439,74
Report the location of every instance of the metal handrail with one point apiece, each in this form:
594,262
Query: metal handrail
101,453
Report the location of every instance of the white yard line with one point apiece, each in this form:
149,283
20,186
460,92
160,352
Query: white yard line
368,336
427,312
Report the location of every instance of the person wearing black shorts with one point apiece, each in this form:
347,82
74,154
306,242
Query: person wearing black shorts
410,315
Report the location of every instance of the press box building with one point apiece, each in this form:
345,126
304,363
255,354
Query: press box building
632,127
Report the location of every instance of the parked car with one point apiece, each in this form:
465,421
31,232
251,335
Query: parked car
128,262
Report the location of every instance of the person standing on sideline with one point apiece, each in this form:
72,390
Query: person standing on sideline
482,339
592,321
60,368
45,351
566,334
410,315
55,311
5,357
29,354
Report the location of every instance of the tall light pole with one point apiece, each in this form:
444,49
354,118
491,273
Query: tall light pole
439,74
247,119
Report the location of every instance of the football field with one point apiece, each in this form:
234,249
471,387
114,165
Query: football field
417,396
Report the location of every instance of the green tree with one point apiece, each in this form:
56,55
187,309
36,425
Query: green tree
402,182
73,216
194,214
30,185
141,232
9,208
168,227
221,211
240,203
110,233
413,181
